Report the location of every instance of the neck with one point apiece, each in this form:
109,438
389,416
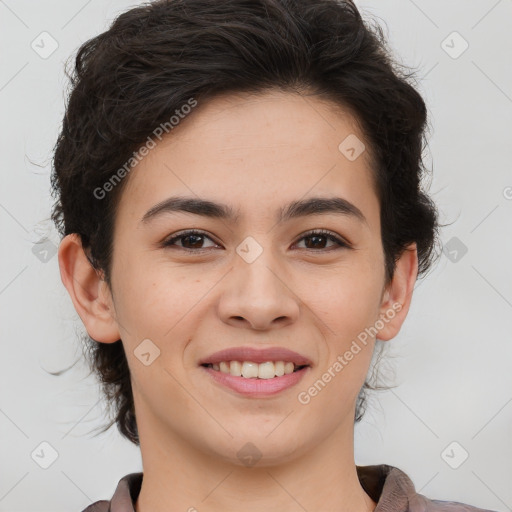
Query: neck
180,477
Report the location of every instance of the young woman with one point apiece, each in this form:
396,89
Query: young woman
239,193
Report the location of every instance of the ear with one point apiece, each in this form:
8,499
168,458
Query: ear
397,295
89,292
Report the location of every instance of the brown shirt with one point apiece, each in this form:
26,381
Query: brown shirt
388,486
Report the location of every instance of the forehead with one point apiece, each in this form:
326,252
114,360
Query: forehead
255,150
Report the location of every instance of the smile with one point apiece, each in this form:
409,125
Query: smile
245,378
250,370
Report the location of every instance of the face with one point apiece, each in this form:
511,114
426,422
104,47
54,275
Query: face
309,280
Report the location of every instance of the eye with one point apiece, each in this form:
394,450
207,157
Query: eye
191,240
317,239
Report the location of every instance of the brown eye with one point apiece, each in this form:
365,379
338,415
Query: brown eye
193,241
190,240
318,240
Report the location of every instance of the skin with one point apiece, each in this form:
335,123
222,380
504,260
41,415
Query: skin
254,153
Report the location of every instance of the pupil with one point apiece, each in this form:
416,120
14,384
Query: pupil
194,236
316,237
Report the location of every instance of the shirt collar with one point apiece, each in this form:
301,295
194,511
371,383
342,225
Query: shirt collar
388,486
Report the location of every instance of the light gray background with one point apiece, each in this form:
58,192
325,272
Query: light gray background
452,358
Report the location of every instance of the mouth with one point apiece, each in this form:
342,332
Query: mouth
256,372
253,370
255,380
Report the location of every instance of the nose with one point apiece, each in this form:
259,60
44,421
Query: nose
259,295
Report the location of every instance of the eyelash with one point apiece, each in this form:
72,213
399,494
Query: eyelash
328,234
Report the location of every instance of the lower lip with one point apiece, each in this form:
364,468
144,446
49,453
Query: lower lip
257,387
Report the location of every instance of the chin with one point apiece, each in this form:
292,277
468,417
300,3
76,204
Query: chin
264,449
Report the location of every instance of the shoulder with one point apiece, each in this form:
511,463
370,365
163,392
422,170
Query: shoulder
420,503
124,497
392,489
98,506
453,506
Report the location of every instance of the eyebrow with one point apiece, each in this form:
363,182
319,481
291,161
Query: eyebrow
294,209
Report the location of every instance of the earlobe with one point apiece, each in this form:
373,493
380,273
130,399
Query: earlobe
397,296
89,293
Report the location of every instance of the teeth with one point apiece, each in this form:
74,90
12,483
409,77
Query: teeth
235,368
265,370
248,369
279,368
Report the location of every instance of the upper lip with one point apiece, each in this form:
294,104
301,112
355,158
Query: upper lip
261,355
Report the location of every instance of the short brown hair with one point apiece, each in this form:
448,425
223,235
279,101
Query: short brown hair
153,58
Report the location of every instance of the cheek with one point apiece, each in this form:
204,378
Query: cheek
348,298
143,297
347,309
159,301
